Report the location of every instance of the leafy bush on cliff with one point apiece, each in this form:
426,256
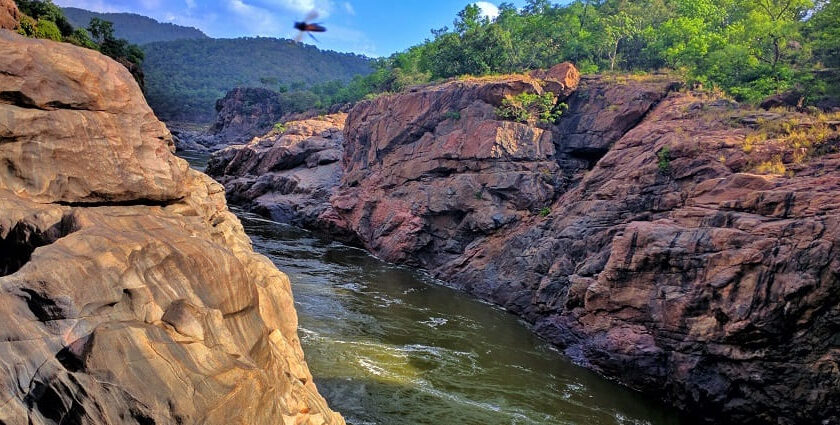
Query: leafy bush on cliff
531,108
48,30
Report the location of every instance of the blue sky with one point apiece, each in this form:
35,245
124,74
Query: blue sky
371,27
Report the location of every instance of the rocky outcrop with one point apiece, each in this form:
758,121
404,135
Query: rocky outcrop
681,275
9,15
128,292
288,176
244,113
632,233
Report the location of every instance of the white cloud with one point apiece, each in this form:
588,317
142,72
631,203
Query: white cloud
488,10
349,8
345,39
257,20
190,4
323,7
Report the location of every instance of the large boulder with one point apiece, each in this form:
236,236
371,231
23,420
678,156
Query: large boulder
648,251
9,15
288,176
244,113
57,105
128,292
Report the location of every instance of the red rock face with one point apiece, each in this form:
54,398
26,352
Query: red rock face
714,289
691,279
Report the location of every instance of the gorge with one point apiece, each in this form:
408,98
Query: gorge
638,233
523,248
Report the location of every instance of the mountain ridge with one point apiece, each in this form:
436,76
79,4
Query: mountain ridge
136,28
187,77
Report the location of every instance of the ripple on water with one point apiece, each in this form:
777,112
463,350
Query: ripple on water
387,346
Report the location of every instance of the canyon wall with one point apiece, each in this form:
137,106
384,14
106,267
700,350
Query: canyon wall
128,292
634,233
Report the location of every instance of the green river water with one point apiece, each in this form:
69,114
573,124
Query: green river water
388,345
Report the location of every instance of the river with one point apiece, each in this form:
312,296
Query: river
389,345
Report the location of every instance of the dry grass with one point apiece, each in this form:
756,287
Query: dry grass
772,142
791,139
774,166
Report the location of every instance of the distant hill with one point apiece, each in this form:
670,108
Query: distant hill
184,78
135,28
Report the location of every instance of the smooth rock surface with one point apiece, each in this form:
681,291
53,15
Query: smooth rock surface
57,106
128,293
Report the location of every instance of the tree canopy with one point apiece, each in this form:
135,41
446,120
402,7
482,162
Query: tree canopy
185,77
748,48
43,19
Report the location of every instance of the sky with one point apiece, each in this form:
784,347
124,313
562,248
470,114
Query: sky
369,27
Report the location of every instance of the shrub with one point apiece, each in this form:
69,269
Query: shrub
81,38
48,30
528,108
545,211
27,26
452,115
664,160
774,166
279,128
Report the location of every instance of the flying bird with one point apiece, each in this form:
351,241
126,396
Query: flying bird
306,27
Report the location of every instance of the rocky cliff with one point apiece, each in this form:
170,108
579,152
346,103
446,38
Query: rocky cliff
245,113
128,292
289,175
676,241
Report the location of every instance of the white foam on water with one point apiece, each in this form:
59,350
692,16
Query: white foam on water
435,322
371,367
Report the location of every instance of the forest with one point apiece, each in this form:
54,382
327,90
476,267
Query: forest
186,77
135,28
749,49
43,19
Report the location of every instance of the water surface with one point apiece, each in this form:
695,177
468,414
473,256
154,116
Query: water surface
389,345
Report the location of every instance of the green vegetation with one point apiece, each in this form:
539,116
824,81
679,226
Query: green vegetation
545,211
186,77
452,115
530,108
136,29
43,19
279,128
748,48
48,30
664,160
790,139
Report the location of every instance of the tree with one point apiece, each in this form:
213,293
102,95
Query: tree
824,29
101,30
47,11
48,30
469,19
618,28
776,23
